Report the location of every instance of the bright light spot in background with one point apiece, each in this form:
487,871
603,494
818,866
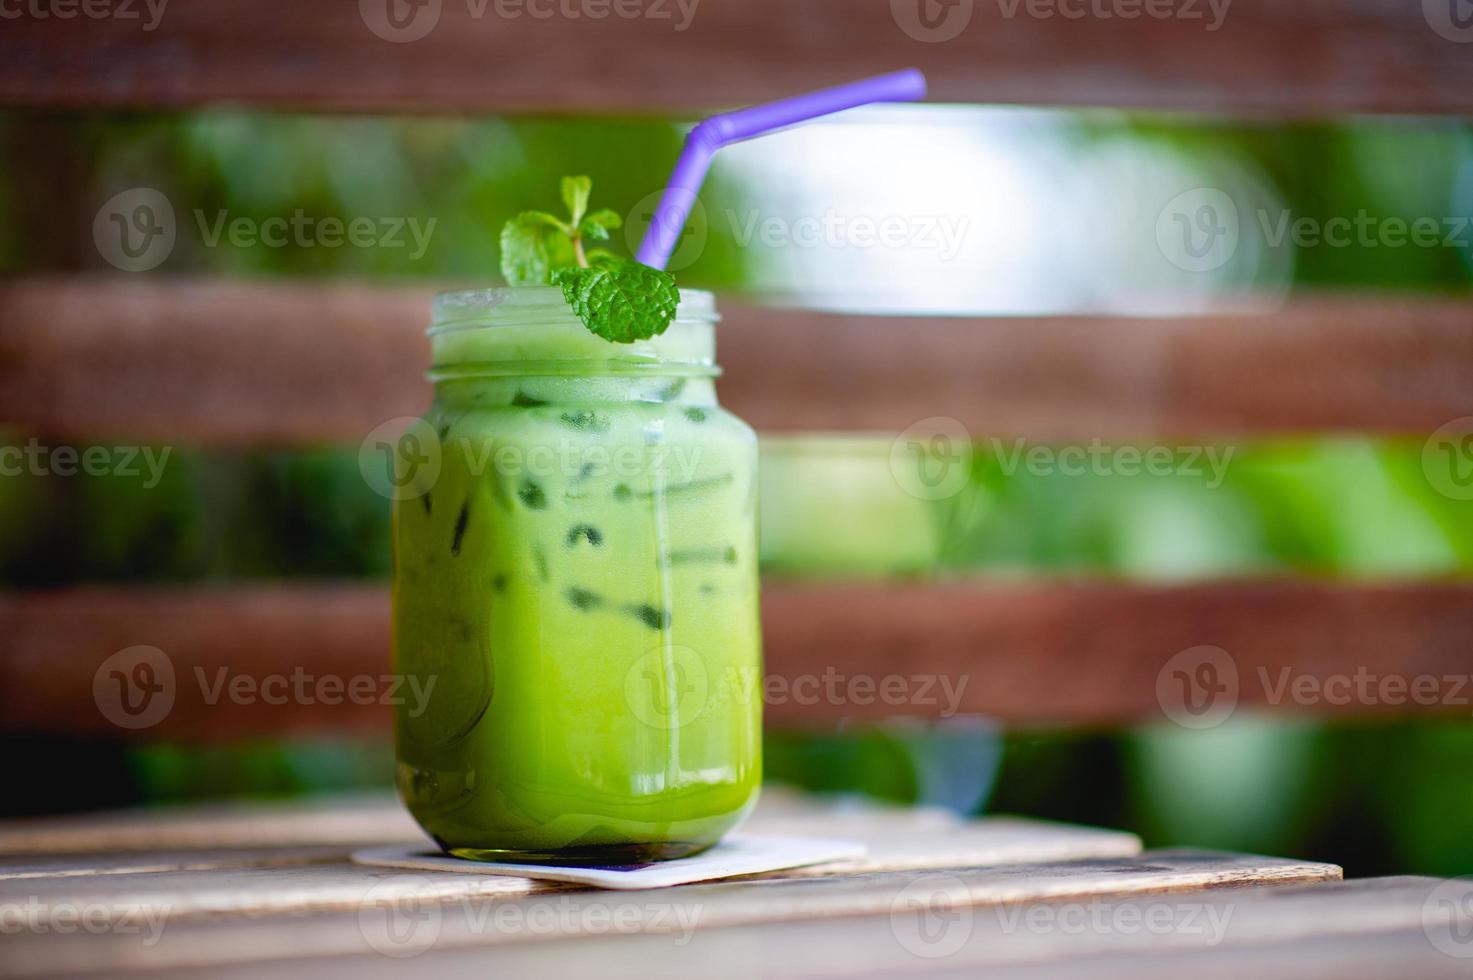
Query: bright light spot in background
991,210
971,201
1144,216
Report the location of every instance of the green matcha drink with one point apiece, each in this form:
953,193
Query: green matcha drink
580,577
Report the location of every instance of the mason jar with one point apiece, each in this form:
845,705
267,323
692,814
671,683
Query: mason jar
575,584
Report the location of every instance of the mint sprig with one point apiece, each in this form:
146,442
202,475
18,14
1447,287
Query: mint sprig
618,299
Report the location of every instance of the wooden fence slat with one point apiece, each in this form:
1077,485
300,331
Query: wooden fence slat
1248,56
242,916
238,364
1024,653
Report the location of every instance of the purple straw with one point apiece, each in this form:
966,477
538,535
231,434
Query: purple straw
743,124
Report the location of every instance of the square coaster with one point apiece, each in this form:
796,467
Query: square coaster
738,854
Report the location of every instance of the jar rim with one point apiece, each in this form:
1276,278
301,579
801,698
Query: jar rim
532,330
484,307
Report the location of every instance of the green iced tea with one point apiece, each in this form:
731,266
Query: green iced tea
576,570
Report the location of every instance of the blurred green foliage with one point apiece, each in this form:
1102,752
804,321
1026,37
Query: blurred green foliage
1343,507
1383,797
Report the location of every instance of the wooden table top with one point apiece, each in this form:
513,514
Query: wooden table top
267,890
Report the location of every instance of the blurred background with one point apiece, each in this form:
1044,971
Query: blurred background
1006,211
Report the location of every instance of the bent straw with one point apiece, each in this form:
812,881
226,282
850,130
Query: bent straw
744,124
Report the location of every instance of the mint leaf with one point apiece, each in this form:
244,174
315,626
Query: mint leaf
621,301
532,245
575,196
599,224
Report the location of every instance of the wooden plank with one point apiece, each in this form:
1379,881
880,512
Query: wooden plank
258,835
235,363
94,861
1025,653
1249,56
337,822
452,909
1370,928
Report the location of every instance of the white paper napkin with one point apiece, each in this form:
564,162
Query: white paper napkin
738,854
